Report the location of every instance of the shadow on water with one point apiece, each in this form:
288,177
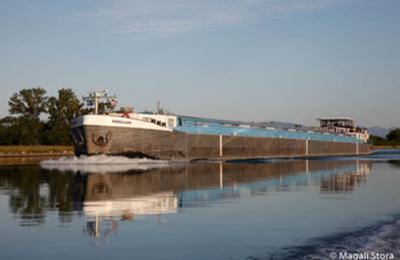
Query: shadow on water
395,163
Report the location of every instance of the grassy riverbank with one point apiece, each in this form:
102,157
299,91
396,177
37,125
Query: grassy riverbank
376,147
31,154
35,149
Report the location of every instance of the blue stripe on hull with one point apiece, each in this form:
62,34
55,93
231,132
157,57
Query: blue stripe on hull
193,126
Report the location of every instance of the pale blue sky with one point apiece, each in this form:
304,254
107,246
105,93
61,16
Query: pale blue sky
287,60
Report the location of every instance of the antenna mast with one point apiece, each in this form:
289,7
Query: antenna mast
93,98
158,107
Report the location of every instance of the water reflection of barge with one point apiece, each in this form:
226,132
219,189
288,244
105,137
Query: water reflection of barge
166,189
129,194
345,182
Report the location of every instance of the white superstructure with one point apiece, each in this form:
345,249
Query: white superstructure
131,120
127,118
343,125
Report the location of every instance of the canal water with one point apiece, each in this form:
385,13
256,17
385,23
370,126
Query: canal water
118,208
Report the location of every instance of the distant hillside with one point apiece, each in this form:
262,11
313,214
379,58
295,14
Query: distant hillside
379,131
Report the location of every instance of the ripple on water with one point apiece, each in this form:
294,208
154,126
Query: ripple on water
381,238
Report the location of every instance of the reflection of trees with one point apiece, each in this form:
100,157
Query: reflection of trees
26,201
395,163
66,193
32,191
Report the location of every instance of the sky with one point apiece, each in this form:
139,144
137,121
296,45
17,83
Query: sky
252,60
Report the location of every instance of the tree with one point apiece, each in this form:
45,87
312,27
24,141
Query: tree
394,135
65,107
28,104
377,140
11,131
4,133
62,109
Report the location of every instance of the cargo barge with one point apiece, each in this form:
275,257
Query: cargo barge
176,137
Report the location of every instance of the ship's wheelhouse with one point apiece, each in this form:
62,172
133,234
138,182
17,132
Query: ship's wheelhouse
343,125
340,125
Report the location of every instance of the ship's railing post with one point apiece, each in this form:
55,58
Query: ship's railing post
357,149
220,146
307,140
96,103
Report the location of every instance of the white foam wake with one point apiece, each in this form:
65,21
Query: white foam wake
101,163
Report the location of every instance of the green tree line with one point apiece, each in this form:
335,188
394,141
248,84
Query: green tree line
392,138
35,118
